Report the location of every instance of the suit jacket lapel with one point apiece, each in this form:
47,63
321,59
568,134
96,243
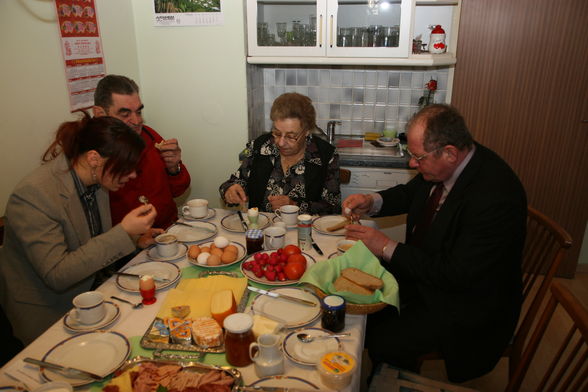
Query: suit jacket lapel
453,202
71,201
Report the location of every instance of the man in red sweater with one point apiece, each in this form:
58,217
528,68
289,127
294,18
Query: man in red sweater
161,176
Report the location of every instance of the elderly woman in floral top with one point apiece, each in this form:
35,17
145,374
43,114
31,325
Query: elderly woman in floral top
288,165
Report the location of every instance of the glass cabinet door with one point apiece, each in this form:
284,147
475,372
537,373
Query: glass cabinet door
286,27
334,28
369,28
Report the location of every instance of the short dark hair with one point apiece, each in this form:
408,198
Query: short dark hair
116,84
110,137
294,105
444,125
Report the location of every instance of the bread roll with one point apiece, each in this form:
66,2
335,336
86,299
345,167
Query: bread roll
363,279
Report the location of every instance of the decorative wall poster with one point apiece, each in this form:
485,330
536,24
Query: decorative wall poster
81,47
187,12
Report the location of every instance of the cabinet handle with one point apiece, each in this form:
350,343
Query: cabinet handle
331,32
320,31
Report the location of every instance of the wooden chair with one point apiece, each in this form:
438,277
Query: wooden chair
546,244
1,230
568,370
344,176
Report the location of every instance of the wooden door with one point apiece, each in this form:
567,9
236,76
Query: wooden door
521,82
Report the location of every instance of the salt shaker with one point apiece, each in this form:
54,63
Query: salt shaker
304,232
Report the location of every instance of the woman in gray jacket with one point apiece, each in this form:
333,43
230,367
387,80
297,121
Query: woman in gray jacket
58,230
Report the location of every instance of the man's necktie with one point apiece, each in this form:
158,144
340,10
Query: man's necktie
428,214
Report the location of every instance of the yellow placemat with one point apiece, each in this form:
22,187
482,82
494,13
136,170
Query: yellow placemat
323,274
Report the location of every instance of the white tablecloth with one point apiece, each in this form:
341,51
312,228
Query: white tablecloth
134,322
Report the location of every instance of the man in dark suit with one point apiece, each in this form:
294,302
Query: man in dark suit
459,275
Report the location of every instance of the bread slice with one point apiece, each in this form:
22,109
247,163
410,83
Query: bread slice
344,284
362,279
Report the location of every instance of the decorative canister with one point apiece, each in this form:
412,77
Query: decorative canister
437,41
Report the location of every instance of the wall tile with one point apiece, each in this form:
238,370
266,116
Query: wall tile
363,98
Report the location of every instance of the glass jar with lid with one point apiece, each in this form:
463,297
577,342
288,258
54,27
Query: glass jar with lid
238,337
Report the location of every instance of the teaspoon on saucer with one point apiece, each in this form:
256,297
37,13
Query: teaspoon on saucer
306,338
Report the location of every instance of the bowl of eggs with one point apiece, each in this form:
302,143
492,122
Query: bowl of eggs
219,253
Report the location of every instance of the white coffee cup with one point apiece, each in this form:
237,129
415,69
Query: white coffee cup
89,307
344,245
196,208
288,214
167,244
274,237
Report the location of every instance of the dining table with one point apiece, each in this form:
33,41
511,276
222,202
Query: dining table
132,323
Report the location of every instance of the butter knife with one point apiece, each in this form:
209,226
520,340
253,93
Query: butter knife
193,227
161,280
284,296
243,220
64,369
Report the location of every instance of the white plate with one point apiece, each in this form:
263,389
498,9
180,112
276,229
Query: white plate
211,213
99,352
321,224
294,315
241,253
310,261
159,269
309,353
233,224
388,142
334,254
283,382
112,313
153,254
199,231
277,219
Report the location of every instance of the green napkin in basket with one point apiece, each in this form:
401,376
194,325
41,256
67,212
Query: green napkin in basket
323,274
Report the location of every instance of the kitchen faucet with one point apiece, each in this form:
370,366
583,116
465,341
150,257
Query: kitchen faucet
331,130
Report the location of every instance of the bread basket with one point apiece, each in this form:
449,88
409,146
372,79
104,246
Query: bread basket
352,308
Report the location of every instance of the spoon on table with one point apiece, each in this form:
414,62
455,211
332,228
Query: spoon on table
306,338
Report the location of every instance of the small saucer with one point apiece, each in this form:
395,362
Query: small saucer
388,141
211,213
112,313
154,255
309,353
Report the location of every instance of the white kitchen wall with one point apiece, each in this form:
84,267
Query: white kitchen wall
34,98
192,82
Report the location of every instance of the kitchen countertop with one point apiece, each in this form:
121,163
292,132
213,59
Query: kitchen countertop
369,155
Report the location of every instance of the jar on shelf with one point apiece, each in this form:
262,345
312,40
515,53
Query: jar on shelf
437,41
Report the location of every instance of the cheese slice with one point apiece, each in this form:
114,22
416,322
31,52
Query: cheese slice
197,294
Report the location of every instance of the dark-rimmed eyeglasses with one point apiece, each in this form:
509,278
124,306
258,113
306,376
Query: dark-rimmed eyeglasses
419,158
289,137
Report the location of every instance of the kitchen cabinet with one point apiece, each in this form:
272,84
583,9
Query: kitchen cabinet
362,32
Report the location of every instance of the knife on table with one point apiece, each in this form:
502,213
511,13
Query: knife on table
191,226
284,296
64,369
161,280
316,247
243,220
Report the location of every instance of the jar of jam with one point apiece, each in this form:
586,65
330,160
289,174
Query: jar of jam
254,240
238,337
333,317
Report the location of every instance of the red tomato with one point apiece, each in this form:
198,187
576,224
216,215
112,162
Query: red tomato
294,271
300,259
291,250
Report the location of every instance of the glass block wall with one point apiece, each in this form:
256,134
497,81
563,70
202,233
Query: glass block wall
363,98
